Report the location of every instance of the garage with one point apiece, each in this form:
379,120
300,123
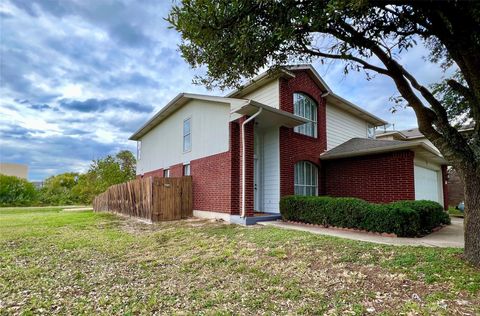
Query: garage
428,184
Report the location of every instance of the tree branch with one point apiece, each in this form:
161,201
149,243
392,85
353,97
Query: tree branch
425,116
346,56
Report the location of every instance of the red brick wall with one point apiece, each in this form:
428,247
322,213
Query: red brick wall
378,178
217,178
211,183
249,172
295,147
176,170
154,173
235,167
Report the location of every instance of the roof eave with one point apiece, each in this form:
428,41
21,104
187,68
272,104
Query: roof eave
139,133
283,118
175,104
413,145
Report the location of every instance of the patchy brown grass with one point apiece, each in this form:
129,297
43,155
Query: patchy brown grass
55,262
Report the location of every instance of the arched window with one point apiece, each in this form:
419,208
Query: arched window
305,107
306,178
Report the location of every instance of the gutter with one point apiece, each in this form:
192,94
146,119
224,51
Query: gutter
243,158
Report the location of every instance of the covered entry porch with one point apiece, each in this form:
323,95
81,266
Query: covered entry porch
260,159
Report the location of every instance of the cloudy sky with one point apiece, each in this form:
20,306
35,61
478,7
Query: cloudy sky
78,77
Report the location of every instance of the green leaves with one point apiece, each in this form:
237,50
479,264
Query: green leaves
15,191
104,173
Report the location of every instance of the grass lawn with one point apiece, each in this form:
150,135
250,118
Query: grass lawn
56,262
454,212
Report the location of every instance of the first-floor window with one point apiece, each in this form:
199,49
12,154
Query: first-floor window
306,178
186,170
166,173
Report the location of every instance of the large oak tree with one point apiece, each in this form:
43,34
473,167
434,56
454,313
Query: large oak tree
236,38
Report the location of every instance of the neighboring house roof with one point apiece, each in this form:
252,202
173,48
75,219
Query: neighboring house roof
288,72
414,133
14,169
363,146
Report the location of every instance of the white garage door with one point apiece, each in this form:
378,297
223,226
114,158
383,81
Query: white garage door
427,184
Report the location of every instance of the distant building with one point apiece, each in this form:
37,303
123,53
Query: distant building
38,184
14,169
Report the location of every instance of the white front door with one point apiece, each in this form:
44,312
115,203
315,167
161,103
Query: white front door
427,184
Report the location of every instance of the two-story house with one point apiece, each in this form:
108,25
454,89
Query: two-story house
285,132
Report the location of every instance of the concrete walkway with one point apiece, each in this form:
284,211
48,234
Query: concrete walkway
77,209
448,236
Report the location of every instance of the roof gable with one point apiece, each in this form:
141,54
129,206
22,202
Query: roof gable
289,72
176,103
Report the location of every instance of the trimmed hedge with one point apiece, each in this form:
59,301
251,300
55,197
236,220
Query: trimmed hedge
403,218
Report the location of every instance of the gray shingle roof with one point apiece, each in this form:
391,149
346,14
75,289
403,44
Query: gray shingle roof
357,145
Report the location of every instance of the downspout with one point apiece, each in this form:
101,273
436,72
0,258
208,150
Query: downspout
243,158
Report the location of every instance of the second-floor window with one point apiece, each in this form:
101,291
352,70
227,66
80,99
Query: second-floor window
305,107
187,135
139,150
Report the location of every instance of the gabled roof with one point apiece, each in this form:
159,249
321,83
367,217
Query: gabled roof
362,146
240,106
289,72
178,102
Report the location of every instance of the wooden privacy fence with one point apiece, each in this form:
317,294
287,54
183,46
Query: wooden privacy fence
152,198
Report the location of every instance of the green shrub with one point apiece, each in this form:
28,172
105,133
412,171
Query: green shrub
16,192
404,218
431,213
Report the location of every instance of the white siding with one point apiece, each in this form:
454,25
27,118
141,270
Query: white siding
342,126
268,94
271,169
162,147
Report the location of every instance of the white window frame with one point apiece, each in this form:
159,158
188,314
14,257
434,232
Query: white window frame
307,111
185,135
305,184
186,169
166,173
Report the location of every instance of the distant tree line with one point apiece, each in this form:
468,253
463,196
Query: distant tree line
70,187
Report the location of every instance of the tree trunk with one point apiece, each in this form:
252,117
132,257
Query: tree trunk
472,217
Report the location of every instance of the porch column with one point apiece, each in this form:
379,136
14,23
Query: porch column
249,170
